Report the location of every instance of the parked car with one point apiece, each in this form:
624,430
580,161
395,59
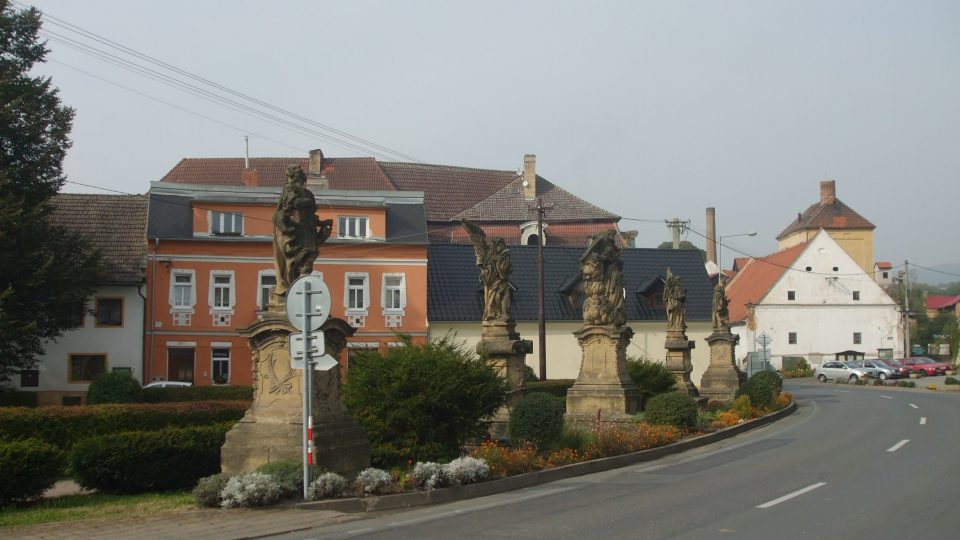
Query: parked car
925,366
896,364
884,371
168,384
842,371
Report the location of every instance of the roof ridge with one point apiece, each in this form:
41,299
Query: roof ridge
450,167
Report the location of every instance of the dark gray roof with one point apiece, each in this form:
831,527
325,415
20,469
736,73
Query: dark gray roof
114,225
406,224
170,217
508,204
454,292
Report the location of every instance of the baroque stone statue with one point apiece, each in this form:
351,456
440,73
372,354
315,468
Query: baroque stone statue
493,258
297,231
721,306
674,297
602,271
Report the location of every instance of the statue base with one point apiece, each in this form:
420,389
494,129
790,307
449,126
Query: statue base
678,360
722,378
272,429
502,348
603,389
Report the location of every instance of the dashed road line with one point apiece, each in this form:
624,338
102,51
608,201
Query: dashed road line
914,406
923,420
842,391
789,496
886,397
897,446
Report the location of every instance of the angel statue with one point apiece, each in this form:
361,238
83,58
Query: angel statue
601,267
297,231
494,261
674,297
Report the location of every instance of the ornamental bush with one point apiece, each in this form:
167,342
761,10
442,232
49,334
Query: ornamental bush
114,388
537,419
466,470
421,402
197,393
762,388
140,461
288,474
64,426
950,380
556,387
742,406
430,475
652,377
250,490
373,481
27,469
770,377
327,486
208,489
676,409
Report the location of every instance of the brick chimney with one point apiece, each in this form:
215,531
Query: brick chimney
315,177
250,178
712,235
828,192
530,176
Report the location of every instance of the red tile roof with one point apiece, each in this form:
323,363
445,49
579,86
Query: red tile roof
821,215
508,204
447,190
344,173
884,265
940,302
755,279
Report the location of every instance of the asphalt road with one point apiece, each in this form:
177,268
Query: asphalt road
852,462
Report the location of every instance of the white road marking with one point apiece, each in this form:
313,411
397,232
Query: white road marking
897,446
914,406
887,397
923,420
842,391
789,496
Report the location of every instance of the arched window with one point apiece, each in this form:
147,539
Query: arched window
532,240
528,233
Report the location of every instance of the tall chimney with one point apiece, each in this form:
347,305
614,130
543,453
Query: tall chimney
712,235
315,177
828,192
530,176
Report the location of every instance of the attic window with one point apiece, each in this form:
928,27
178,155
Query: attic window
791,295
226,223
809,269
856,295
836,268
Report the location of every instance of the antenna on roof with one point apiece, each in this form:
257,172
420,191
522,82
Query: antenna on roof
246,159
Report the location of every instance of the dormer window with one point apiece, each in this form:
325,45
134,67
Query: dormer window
352,227
528,234
226,223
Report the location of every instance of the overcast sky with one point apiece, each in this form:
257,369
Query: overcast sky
652,110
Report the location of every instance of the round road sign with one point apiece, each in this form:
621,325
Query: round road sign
319,302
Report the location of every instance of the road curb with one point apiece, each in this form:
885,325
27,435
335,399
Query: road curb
510,483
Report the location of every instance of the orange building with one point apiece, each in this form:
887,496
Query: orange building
210,271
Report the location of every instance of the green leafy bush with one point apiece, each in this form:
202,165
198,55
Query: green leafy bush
529,375
27,469
198,393
557,387
64,426
140,461
652,377
537,419
421,402
742,406
762,388
114,388
208,489
950,380
289,475
17,398
672,409
906,384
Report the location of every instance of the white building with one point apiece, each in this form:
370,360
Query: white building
813,300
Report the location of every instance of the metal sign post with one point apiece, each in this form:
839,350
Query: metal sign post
308,314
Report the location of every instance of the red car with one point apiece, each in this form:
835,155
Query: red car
924,366
902,370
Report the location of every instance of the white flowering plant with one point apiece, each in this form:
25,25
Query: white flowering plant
248,490
467,470
327,486
373,481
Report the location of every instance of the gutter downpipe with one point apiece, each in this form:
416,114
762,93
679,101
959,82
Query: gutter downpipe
153,310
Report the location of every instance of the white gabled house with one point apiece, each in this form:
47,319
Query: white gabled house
813,300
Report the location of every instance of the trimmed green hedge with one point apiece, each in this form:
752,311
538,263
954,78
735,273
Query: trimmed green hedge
27,469
113,388
762,388
557,387
18,398
676,409
537,419
141,461
64,426
198,393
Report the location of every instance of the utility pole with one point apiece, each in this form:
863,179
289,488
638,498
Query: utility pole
906,308
677,226
541,209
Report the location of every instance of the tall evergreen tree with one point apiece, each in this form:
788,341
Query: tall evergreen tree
46,273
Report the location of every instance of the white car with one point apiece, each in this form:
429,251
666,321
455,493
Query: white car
168,384
843,372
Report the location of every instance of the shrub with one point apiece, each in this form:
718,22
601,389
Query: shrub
466,470
529,375
556,387
64,426
288,474
250,490
208,489
573,439
612,440
114,388
429,475
198,393
373,481
27,469
800,369
508,461
17,398
950,380
327,486
762,388
772,378
742,406
673,409
139,461
906,384
781,401
728,418
652,377
537,419
421,402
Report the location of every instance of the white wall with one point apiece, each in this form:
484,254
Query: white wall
563,350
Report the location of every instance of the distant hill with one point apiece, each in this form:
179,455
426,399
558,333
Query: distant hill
922,275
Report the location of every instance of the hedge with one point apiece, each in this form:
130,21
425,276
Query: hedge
113,388
197,393
557,387
676,409
17,398
27,469
141,461
64,426
537,419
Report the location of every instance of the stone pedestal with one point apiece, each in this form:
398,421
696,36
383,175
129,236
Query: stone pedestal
502,347
603,390
722,378
678,360
271,429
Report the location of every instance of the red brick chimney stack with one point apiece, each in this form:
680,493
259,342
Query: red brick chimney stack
828,192
315,177
712,235
530,176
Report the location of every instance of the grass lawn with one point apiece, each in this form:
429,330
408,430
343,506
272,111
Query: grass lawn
93,506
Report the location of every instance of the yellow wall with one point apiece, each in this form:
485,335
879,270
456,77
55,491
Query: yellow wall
858,243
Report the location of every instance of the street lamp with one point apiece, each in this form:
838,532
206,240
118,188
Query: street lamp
720,249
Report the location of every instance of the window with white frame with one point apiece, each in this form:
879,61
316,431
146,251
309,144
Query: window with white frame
394,299
226,223
266,282
220,358
352,227
356,297
183,296
221,290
